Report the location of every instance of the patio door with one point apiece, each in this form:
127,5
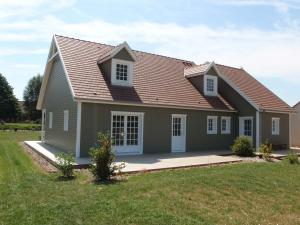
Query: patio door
246,127
127,133
178,133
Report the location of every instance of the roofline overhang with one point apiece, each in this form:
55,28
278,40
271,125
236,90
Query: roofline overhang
277,111
86,100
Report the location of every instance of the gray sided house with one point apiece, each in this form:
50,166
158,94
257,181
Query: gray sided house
152,103
295,126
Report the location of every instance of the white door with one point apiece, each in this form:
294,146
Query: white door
246,126
127,133
178,133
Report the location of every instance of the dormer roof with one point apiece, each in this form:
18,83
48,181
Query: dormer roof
115,50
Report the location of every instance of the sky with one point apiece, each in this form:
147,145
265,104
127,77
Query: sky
262,36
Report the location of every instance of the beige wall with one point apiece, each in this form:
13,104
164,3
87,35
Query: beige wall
295,126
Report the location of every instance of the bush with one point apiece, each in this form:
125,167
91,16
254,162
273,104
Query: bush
266,150
292,158
242,146
65,164
102,157
20,126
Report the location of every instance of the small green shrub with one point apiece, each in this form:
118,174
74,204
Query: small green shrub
266,150
20,126
292,158
103,166
65,164
242,146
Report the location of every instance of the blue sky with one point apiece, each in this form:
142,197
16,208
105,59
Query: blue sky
262,36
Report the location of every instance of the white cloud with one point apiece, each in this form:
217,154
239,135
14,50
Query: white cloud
18,51
281,5
263,53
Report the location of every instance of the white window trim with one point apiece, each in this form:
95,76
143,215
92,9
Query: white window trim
277,126
114,80
228,125
66,120
50,120
241,131
215,79
215,124
141,130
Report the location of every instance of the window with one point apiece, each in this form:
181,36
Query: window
66,120
248,127
176,126
210,85
225,125
50,120
121,72
275,126
212,124
126,132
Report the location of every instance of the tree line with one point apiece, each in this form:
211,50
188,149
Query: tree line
11,110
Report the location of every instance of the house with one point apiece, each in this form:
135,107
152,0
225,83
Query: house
152,103
295,126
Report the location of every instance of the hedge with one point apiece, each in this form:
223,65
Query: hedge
20,126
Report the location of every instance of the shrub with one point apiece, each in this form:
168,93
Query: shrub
292,158
65,164
102,157
242,146
266,150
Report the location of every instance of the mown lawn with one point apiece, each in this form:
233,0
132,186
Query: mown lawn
258,193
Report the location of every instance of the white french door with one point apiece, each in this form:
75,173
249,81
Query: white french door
178,133
127,132
246,126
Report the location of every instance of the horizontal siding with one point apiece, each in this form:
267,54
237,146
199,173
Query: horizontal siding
157,127
57,99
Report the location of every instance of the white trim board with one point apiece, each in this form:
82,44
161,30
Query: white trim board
78,129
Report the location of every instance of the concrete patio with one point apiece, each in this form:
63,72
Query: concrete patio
151,162
147,162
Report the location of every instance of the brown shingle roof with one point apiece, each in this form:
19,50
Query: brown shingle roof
197,69
253,89
157,80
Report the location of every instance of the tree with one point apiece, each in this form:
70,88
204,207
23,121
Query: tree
31,95
9,108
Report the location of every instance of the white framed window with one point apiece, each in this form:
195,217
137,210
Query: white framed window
212,124
50,120
121,72
66,120
275,126
127,132
225,124
210,85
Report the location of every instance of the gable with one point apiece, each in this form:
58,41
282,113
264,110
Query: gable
124,55
212,71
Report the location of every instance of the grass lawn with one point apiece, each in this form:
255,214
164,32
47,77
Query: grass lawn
257,193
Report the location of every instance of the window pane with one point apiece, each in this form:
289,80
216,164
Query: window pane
122,72
210,85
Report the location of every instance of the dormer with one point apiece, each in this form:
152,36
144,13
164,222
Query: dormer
118,65
204,77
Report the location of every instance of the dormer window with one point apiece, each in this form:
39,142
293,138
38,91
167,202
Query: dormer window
210,85
121,72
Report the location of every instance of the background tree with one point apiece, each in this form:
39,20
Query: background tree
9,108
31,95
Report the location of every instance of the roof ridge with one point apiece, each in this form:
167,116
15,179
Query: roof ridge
78,39
233,67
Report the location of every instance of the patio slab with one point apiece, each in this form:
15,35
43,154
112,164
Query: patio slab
146,162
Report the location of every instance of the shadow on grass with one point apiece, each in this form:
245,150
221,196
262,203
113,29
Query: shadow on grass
113,180
62,178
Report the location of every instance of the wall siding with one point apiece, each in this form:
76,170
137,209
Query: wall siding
266,128
244,109
157,128
295,127
57,99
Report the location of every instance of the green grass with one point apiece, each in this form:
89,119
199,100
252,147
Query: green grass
260,193
20,126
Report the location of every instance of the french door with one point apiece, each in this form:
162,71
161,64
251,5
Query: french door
246,126
178,133
127,132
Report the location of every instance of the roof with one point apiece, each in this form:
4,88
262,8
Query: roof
253,89
296,104
197,69
158,80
